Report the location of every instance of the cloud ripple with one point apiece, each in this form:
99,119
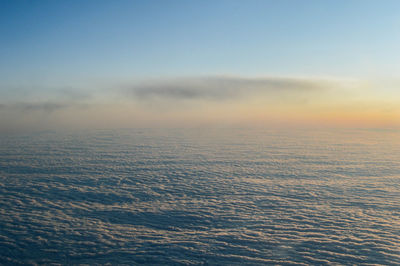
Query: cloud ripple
181,197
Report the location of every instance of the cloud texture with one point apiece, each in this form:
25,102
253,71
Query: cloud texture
218,197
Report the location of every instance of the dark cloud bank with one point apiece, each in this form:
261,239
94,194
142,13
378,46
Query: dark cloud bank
220,88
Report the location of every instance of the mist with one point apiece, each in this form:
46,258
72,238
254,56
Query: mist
202,101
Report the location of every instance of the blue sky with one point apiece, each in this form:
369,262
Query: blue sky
71,41
92,45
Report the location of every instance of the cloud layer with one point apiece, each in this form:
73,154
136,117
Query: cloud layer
184,197
221,88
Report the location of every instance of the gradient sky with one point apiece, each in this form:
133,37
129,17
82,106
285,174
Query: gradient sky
92,49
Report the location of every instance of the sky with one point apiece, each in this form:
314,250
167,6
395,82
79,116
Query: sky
76,64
